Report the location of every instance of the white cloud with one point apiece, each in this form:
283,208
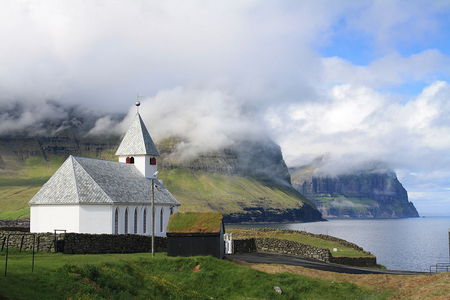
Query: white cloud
357,124
216,71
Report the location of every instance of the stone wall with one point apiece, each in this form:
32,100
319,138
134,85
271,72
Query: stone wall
43,242
355,261
11,223
298,249
78,243
15,228
292,248
244,246
323,237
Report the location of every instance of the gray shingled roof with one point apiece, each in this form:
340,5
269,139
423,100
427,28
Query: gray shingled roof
137,140
82,180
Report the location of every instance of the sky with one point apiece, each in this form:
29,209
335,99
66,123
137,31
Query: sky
353,80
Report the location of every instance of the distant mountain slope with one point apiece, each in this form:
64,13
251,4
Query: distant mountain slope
372,192
248,182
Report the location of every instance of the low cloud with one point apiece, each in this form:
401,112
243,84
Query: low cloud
215,73
358,124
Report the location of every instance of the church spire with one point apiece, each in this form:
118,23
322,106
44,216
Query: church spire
137,148
137,140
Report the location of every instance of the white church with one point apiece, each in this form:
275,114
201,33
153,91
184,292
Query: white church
88,195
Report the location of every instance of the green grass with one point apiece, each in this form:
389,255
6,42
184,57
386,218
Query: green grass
17,187
204,191
138,276
195,222
342,251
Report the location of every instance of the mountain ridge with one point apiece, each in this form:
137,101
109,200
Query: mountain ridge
371,191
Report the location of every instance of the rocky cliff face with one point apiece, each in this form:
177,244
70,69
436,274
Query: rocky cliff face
372,193
261,159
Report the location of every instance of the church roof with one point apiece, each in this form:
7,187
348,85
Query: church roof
137,140
82,180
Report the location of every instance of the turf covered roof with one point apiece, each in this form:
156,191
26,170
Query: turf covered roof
195,222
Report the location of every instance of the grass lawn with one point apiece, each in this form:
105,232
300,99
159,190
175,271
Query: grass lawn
342,251
138,276
404,287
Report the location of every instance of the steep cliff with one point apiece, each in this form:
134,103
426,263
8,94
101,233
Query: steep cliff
374,192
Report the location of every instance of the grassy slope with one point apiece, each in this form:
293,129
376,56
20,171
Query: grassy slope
407,287
138,276
342,251
196,190
203,191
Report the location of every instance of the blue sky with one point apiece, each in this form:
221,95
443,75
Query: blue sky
356,80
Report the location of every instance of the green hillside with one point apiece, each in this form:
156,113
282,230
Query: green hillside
240,198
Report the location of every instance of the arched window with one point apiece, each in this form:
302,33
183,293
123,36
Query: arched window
171,210
161,220
144,219
116,221
152,160
126,221
135,220
129,160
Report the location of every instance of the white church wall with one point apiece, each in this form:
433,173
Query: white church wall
140,220
47,218
95,219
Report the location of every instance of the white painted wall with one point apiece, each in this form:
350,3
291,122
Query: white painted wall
46,218
142,163
95,219
140,221
98,218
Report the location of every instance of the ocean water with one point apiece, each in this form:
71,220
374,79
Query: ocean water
399,244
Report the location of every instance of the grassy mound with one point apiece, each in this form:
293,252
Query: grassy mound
138,276
308,239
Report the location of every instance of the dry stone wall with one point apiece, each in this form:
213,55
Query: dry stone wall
292,248
298,249
78,243
19,223
17,240
323,237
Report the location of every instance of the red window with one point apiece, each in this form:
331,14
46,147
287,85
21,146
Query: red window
129,160
153,161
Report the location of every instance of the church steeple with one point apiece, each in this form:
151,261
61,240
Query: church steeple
137,147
